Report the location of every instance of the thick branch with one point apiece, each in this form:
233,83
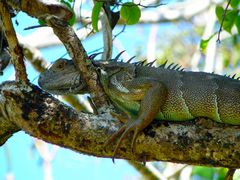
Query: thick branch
40,64
7,128
56,16
39,114
201,142
42,9
15,49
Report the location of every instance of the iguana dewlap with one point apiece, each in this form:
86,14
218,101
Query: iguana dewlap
145,93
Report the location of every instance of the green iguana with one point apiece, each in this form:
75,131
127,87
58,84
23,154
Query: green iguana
145,93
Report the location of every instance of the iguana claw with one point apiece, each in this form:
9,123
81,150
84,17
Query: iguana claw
131,125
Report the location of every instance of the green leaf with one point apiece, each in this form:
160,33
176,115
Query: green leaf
204,43
42,22
203,172
221,173
229,18
219,12
67,4
234,4
237,23
95,14
226,62
72,20
130,12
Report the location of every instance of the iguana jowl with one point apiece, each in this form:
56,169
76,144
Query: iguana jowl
145,93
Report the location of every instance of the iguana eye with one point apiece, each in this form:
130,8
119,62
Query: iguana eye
60,65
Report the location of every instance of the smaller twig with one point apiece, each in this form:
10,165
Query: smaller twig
96,50
107,37
33,56
114,36
223,18
34,27
138,4
42,9
151,6
122,30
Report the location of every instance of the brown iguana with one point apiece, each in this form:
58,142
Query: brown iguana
145,93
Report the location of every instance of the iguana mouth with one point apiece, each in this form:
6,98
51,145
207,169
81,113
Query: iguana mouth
76,89
63,87
63,79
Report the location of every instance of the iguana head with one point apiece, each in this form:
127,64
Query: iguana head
62,78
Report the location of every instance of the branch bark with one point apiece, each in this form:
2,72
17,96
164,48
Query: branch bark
28,108
57,15
15,49
198,142
79,56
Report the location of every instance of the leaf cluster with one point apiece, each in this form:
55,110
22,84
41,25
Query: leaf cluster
229,17
129,12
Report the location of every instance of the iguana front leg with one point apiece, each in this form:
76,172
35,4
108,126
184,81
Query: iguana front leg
152,96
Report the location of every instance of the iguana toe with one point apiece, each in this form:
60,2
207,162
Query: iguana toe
131,125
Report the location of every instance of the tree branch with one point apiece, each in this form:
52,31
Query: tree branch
15,49
28,108
56,15
223,18
40,64
70,40
42,9
107,37
199,142
7,128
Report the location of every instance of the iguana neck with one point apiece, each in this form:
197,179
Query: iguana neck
63,78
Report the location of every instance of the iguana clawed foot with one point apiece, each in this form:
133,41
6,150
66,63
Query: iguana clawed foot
131,125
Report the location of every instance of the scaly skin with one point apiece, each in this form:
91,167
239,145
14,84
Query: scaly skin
62,78
145,93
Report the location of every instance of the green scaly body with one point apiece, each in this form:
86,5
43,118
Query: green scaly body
189,94
145,93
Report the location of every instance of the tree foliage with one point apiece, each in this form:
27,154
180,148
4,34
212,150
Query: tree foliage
192,45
